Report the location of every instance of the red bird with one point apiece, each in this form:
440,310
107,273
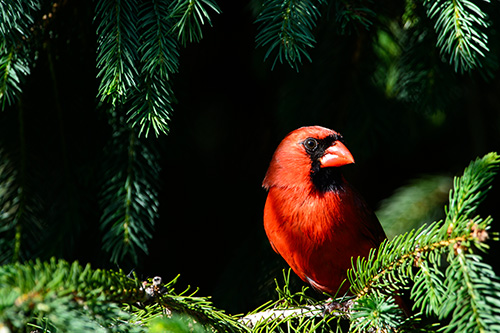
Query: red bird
313,217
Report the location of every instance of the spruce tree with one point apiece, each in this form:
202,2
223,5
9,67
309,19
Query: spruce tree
419,57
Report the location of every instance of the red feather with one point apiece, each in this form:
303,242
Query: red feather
316,228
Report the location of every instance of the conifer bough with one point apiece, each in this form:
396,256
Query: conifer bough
461,26
286,29
137,52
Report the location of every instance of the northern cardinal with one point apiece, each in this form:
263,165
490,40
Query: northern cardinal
313,217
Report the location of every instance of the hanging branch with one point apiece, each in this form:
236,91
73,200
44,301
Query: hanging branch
117,46
21,228
422,80
350,15
129,196
16,17
189,16
461,27
152,102
138,51
285,28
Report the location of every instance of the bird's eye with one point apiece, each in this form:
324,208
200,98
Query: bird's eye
310,144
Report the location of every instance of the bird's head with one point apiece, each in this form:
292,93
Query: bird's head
308,156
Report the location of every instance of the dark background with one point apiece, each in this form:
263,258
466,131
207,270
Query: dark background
232,110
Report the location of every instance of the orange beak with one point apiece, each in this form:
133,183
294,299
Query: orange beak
336,155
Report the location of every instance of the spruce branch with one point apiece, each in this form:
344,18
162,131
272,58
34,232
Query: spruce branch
468,280
461,26
151,105
351,14
58,295
10,196
117,44
12,69
129,196
158,48
472,295
151,102
138,52
285,28
428,279
64,296
469,191
189,16
21,228
16,17
200,309
422,80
